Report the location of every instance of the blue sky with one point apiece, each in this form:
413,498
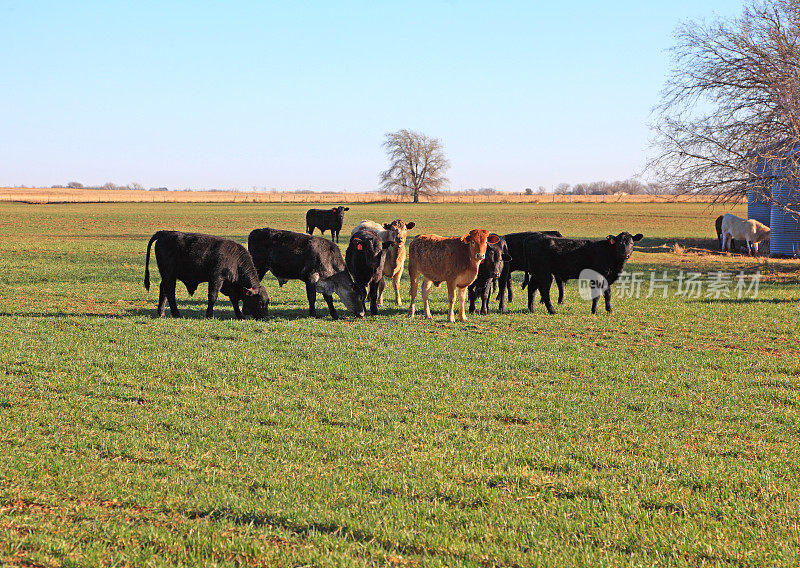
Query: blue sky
299,95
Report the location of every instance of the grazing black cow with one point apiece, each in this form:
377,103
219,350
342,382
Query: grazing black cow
193,258
489,272
564,259
314,260
365,257
515,243
326,219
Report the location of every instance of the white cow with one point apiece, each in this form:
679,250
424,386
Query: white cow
749,230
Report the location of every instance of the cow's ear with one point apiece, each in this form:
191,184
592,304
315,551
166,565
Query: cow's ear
506,257
465,239
410,225
611,239
347,209
387,226
493,238
638,237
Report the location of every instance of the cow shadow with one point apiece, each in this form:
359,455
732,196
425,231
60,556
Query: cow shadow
191,309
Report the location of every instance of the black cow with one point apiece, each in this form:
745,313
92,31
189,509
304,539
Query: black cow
515,243
326,220
564,259
365,257
193,258
489,272
314,260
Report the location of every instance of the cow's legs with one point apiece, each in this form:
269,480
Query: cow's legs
311,294
236,311
426,292
396,284
331,309
373,297
607,298
462,296
472,294
381,287
544,283
310,230
451,301
726,243
487,293
213,292
501,293
560,284
532,294
412,291
166,292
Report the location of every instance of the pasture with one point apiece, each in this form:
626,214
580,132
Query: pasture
665,434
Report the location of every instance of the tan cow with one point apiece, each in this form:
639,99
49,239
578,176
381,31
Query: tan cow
396,232
749,230
447,259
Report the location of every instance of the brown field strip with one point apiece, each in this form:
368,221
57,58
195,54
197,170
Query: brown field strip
64,195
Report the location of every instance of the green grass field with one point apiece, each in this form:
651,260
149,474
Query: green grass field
665,434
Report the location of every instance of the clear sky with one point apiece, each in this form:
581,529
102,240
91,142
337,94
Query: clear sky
299,95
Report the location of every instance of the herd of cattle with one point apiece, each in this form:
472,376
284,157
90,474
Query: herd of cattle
475,262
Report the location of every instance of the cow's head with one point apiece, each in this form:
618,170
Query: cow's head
340,211
496,255
623,243
401,227
255,302
477,240
367,250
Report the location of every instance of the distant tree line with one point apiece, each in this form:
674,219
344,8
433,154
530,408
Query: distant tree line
108,186
628,187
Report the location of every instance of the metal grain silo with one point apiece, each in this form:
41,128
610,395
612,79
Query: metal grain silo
785,226
759,208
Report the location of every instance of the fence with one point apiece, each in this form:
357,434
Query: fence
65,195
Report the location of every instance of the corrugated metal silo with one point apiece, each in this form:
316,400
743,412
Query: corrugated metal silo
759,208
785,226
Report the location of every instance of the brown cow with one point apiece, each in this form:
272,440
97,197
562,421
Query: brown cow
394,232
447,259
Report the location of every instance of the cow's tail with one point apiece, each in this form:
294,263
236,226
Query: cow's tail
154,238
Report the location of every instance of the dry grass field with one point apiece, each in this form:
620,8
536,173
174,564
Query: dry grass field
65,195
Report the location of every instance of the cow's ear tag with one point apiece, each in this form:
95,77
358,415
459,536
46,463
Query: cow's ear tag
359,247
611,240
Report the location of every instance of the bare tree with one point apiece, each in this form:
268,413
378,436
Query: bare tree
562,189
728,119
416,164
